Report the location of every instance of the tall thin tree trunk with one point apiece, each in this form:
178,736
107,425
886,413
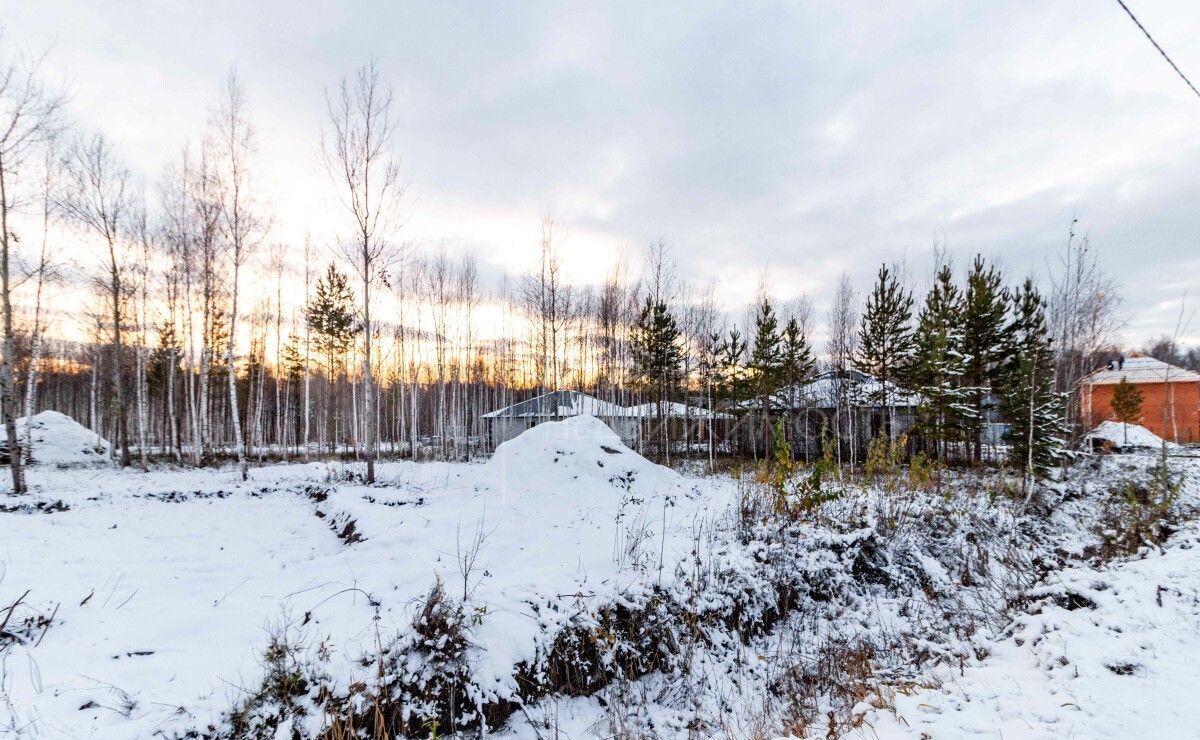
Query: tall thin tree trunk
122,430
307,400
93,410
141,387
172,358
7,388
190,388
35,356
257,427
279,416
239,441
140,400
368,379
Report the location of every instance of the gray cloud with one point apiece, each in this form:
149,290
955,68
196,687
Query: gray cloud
807,138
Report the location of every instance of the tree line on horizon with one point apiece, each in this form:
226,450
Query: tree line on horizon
177,365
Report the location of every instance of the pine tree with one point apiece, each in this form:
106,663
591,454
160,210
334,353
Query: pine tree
939,364
985,308
885,344
293,368
331,318
729,371
655,346
765,364
1127,404
162,368
292,358
797,361
1031,405
797,365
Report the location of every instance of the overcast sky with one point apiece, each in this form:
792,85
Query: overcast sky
798,139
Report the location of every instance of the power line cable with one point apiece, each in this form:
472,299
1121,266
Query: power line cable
1156,46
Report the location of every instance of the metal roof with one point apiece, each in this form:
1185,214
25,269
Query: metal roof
556,404
857,388
1141,369
676,410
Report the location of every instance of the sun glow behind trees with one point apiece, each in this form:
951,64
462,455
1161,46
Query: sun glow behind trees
183,296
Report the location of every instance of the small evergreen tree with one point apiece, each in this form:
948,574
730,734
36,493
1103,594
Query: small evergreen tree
885,344
292,358
655,346
332,322
729,371
1127,404
331,317
985,307
797,361
1031,405
797,365
292,368
766,364
165,358
939,364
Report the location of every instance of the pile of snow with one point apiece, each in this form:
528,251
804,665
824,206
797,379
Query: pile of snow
60,440
1115,433
166,586
578,456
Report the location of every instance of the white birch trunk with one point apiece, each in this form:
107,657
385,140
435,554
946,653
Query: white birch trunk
31,375
140,399
8,400
238,441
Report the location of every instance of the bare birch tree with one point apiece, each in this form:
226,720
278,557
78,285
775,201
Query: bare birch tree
179,235
140,273
842,346
307,350
1083,319
207,200
357,151
44,271
546,300
241,226
28,116
97,198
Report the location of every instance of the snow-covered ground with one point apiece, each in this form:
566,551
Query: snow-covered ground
1108,653
165,587
163,591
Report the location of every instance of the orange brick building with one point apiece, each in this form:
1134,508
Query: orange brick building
1170,396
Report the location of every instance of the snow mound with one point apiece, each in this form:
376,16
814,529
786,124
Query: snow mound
1114,432
579,455
60,440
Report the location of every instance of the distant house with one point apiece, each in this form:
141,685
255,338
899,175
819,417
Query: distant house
682,424
635,425
850,405
676,410
506,423
1171,396
831,389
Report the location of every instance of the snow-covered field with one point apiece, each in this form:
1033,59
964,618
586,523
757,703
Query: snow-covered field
165,587
163,590
1109,653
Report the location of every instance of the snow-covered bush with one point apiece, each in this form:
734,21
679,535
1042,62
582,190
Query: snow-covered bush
1140,510
870,583
290,672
